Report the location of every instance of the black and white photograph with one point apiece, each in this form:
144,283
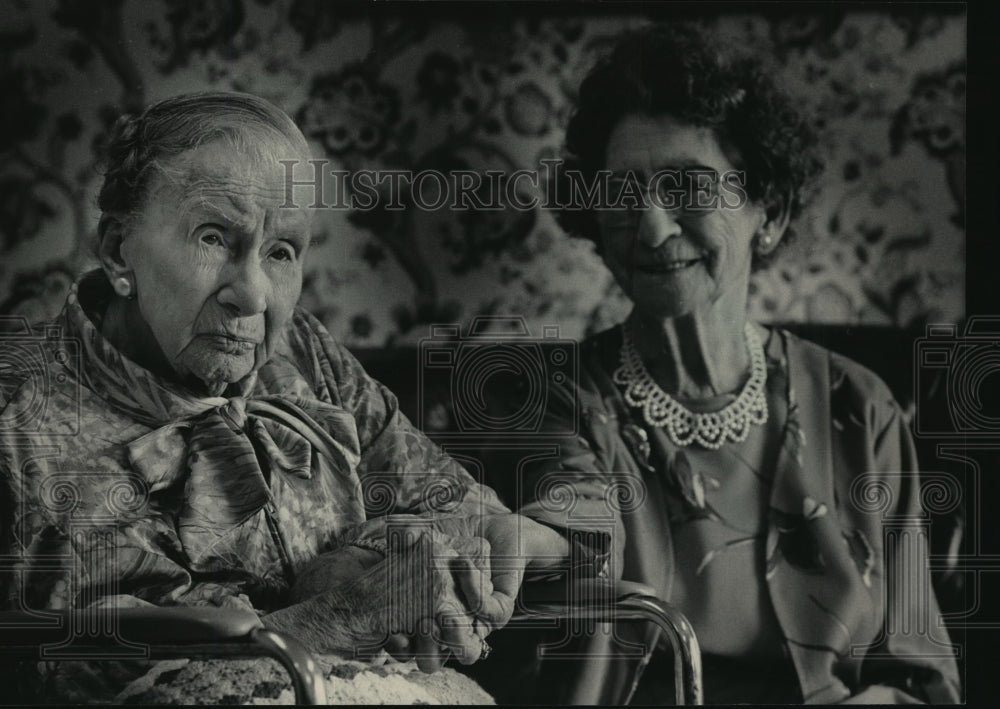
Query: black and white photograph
520,353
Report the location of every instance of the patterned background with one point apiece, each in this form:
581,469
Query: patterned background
485,88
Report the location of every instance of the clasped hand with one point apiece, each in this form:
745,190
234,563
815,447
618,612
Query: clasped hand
445,584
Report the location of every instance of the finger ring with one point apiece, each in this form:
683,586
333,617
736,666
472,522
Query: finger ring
485,651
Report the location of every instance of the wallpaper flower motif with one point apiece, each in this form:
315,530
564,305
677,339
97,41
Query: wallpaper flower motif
350,112
376,88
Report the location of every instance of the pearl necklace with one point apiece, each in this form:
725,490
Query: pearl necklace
683,426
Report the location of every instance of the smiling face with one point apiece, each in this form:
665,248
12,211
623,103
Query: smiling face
217,264
674,262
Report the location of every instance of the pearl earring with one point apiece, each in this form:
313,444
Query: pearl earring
123,287
765,243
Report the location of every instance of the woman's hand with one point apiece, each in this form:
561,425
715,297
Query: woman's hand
336,569
432,619
507,545
412,602
516,544
446,584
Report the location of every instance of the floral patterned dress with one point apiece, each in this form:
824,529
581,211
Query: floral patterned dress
120,487
783,568
717,503
100,457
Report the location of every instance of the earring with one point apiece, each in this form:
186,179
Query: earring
123,287
765,243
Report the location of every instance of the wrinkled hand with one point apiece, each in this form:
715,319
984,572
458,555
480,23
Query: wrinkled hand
517,543
510,544
335,569
413,602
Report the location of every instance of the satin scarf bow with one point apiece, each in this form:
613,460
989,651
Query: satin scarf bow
229,451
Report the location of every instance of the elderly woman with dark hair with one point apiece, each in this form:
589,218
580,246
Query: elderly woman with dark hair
213,445
757,453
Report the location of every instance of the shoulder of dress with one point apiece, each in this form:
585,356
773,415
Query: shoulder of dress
306,329
850,381
301,327
600,351
304,321
309,352
596,362
304,343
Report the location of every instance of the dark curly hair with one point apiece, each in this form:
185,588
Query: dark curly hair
676,70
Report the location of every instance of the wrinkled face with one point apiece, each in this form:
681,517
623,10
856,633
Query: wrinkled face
217,263
675,261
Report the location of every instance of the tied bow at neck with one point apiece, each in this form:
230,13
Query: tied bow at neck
230,450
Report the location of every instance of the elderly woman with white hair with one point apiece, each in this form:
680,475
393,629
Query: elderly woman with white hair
247,438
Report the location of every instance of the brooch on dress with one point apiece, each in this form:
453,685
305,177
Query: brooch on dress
637,440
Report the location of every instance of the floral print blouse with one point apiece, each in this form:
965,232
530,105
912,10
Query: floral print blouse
117,483
803,564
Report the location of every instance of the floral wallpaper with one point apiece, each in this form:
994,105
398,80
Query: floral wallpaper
488,87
